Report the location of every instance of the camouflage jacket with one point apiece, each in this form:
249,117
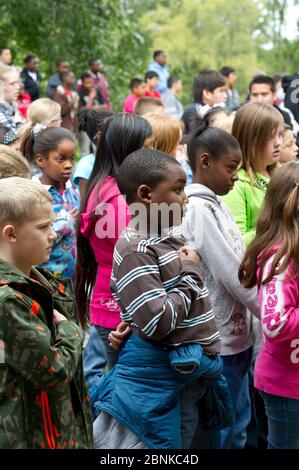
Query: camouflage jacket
43,397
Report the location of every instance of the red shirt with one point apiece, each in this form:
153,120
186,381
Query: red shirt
23,103
153,94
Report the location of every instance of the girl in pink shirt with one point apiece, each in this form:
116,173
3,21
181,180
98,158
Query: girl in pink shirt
272,263
104,214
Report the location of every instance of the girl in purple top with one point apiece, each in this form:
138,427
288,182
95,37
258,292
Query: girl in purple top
104,214
272,263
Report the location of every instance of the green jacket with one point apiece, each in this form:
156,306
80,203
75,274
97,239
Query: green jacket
43,397
245,202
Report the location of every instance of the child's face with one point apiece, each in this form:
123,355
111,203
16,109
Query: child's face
140,90
271,152
221,174
87,84
57,168
289,150
171,192
34,237
11,86
152,83
214,97
70,79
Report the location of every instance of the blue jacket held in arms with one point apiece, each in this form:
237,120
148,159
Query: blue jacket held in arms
142,390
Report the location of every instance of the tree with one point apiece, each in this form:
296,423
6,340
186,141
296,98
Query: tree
207,34
77,31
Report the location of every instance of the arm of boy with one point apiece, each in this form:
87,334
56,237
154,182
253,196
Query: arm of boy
143,298
30,349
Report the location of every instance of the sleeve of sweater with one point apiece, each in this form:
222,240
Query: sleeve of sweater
143,298
236,201
219,257
280,308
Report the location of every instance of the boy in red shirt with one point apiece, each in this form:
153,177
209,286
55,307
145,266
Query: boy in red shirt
152,80
138,89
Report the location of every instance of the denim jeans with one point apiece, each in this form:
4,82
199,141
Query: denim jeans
235,369
257,429
97,354
112,354
283,421
190,433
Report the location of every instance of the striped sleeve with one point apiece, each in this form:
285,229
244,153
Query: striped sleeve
137,286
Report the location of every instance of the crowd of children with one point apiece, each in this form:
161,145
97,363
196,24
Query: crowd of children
149,295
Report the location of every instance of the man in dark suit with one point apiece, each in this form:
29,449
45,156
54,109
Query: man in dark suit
31,76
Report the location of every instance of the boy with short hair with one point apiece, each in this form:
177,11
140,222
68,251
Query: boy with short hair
152,80
156,281
209,90
43,398
138,89
232,102
148,105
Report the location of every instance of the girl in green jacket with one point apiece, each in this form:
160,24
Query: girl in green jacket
258,127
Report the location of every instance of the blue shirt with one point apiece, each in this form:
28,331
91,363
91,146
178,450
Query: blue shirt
187,169
163,73
84,168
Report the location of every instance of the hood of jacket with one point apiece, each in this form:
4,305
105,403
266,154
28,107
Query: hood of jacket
202,191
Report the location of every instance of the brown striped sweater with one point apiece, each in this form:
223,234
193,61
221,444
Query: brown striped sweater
162,298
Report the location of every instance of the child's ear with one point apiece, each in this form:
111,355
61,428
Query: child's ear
39,160
205,160
9,233
144,193
206,96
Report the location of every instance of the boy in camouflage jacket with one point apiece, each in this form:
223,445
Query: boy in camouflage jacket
43,398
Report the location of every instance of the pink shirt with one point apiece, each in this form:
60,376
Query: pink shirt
129,104
102,222
277,366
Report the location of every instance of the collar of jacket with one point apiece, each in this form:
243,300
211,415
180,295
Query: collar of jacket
260,181
9,274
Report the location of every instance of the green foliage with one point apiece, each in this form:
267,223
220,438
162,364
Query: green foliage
196,34
78,31
210,34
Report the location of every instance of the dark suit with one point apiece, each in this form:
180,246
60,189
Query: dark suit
32,87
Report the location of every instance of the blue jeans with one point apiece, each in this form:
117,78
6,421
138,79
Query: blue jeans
97,354
189,399
235,369
283,421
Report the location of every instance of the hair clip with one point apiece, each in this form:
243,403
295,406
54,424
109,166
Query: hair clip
37,128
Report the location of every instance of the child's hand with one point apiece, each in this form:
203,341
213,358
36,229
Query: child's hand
58,317
92,94
74,213
119,336
188,254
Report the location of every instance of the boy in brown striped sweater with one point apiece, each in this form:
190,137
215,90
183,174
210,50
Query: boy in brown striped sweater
156,277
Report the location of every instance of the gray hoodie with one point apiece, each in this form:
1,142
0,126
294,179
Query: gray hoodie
210,229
